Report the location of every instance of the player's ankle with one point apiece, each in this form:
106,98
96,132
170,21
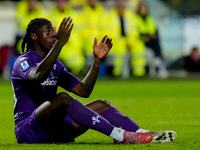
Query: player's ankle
117,134
140,130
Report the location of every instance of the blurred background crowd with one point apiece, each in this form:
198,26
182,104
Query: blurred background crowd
150,37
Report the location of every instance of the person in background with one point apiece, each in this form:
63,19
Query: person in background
72,55
94,22
25,12
191,63
129,50
149,35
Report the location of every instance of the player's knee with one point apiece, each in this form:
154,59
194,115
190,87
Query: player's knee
104,103
107,102
65,99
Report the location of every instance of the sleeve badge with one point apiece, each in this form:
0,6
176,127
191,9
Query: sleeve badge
25,65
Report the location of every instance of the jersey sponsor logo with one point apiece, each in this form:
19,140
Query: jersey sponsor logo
95,120
50,82
25,65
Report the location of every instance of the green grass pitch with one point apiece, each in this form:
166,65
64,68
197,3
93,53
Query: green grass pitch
172,104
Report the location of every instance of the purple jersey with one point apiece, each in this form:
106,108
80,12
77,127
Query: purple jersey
29,95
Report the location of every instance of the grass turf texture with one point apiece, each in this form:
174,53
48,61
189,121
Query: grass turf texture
154,104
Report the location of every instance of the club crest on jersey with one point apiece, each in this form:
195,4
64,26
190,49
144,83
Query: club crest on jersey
25,65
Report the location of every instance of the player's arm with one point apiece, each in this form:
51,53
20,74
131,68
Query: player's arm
43,69
85,87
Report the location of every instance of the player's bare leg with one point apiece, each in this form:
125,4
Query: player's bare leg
50,113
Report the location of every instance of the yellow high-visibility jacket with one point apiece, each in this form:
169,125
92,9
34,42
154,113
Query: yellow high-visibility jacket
71,54
146,26
93,24
23,16
120,42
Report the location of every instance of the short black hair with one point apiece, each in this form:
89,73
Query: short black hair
32,27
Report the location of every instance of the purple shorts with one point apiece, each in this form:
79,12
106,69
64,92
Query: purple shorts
29,131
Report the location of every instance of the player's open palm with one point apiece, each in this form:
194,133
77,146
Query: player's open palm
103,47
64,30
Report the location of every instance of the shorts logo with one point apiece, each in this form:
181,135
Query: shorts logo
25,65
95,120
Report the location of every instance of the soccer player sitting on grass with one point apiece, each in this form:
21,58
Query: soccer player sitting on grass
43,116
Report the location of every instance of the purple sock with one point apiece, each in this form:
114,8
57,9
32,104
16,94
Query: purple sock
116,118
87,117
68,120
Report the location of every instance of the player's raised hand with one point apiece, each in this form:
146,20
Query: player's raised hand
103,47
64,30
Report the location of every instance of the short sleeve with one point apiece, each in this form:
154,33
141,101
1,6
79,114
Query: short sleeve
66,79
22,67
